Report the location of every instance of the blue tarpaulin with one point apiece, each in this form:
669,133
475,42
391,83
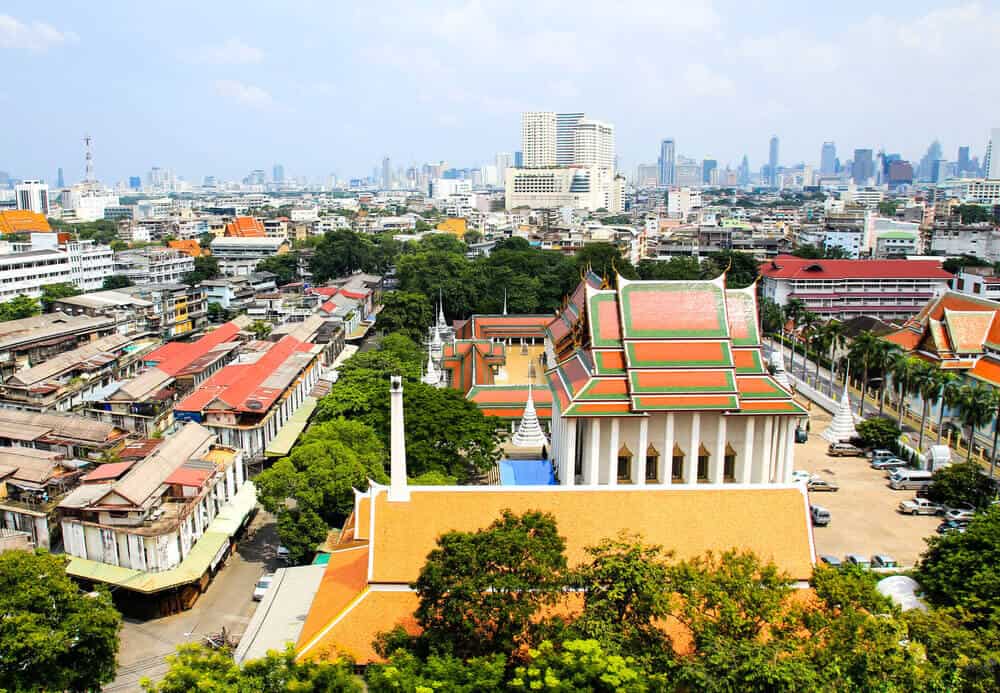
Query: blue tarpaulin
526,473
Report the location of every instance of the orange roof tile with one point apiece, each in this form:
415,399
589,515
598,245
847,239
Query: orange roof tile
678,354
245,227
374,612
23,220
987,370
346,576
967,330
678,381
189,247
905,338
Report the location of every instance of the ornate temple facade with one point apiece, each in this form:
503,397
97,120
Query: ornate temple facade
663,382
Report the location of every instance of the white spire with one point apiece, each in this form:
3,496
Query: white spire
505,301
841,429
398,487
529,432
431,376
441,321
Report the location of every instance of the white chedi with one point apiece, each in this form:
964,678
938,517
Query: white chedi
529,432
841,428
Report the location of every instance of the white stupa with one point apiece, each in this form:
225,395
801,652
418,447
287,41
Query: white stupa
529,432
841,429
431,376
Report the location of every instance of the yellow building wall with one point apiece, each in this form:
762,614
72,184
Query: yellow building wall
453,225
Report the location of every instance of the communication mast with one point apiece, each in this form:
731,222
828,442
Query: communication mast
89,158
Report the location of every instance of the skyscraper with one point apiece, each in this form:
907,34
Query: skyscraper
828,159
710,172
518,159
991,161
593,144
386,173
863,168
743,174
538,139
566,127
772,162
60,180
666,163
278,173
925,170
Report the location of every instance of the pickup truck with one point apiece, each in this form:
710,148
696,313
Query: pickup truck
920,506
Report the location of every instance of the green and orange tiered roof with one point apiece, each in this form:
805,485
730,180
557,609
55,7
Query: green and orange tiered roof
651,346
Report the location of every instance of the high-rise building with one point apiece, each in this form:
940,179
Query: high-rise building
566,128
772,162
743,175
828,159
135,182
32,195
278,173
504,161
710,172
538,139
593,144
963,164
518,159
863,168
386,173
991,161
60,180
667,163
925,170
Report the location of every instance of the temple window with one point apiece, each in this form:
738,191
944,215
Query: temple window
677,464
652,463
729,464
624,464
702,464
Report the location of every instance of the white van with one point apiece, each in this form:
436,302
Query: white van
909,479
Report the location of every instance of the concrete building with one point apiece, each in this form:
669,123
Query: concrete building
991,161
32,195
52,258
828,159
954,239
538,139
665,163
238,256
566,128
593,144
591,188
153,265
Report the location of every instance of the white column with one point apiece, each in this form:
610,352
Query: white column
746,464
720,451
613,453
569,464
779,448
786,476
640,455
691,460
594,454
763,469
667,458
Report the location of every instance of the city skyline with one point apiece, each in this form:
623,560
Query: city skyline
225,104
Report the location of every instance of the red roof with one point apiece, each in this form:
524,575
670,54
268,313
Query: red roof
791,267
327,291
110,470
139,449
188,477
356,295
328,307
174,357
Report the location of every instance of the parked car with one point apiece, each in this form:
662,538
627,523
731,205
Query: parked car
909,479
844,450
817,484
880,454
820,515
951,526
831,561
946,508
282,553
960,515
920,506
801,475
858,560
881,560
889,463
262,586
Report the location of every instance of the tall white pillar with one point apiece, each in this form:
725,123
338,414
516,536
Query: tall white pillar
720,451
613,453
667,459
763,469
569,464
398,488
779,448
746,464
639,459
786,476
594,453
691,461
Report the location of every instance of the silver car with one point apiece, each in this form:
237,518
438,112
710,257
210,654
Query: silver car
920,506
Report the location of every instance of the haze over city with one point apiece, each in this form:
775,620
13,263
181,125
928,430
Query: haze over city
332,89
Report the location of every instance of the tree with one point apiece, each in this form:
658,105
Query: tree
285,267
949,396
887,208
311,490
116,281
53,636
199,668
903,367
216,313
978,403
53,292
19,307
340,253
118,246
808,251
605,260
205,267
973,214
404,671
961,483
682,267
861,352
956,264
772,317
834,338
925,383
261,329
480,591
405,312
578,665
878,432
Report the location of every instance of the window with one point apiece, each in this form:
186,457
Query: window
702,464
652,463
729,465
677,464
624,464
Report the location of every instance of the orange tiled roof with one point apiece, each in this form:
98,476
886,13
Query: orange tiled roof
190,247
345,577
987,370
22,220
245,227
905,338
967,330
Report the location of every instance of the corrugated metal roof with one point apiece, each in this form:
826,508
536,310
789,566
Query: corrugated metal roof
88,354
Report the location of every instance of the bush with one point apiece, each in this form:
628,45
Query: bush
961,483
878,432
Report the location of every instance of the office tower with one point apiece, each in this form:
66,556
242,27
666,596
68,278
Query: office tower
925,170
828,159
900,173
991,161
538,139
135,182
962,164
772,162
386,172
593,144
32,195
743,173
710,172
518,159
666,162
278,173
863,168
60,180
504,161
566,126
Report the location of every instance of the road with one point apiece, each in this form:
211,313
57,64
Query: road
226,603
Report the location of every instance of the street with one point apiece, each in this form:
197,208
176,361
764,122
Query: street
227,603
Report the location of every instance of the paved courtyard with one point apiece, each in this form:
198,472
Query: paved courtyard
863,511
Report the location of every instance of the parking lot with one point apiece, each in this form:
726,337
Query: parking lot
863,512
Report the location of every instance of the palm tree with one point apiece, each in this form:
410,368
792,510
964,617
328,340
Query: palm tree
819,342
793,311
978,404
835,339
949,396
902,366
809,322
926,381
883,353
860,352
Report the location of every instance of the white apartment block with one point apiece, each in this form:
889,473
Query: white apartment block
81,204
682,201
26,268
154,265
538,139
979,241
32,195
591,188
594,144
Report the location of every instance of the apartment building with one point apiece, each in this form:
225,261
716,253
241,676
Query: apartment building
979,240
843,289
585,187
238,256
51,258
231,293
31,484
154,265
177,308
30,341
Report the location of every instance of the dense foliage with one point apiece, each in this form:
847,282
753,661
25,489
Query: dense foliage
878,432
53,292
53,635
285,267
116,281
19,307
205,267
961,483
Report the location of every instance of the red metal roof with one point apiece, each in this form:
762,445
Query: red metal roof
188,477
104,472
791,267
174,357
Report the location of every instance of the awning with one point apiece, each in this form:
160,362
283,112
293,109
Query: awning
198,561
282,443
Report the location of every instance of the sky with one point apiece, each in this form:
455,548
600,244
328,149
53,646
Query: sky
221,88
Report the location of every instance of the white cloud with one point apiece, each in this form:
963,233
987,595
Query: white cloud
36,37
243,94
705,81
232,51
791,52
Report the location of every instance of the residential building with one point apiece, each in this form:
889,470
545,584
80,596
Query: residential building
593,144
31,483
991,161
131,315
153,265
231,293
682,201
84,203
591,188
52,258
32,195
566,133
30,341
843,289
538,139
238,256
950,238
